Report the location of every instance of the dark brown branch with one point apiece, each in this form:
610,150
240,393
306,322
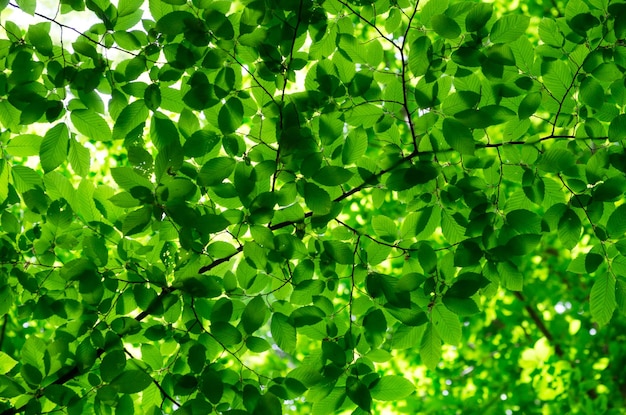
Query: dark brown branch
540,324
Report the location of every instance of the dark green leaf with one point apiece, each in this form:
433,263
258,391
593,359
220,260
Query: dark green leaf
131,381
478,16
254,314
445,26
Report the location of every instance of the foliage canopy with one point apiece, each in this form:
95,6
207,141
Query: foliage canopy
271,206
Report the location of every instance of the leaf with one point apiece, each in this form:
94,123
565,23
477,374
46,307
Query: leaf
508,28
354,147
130,118
6,362
54,147
24,145
602,298
128,178
447,324
79,158
510,276
445,26
283,332
27,6
131,381
91,125
136,221
214,171
452,230
227,334
522,244
332,175
254,314
430,347
478,16
6,300
358,393
317,199
306,316
569,229
175,22
384,227
549,32
529,104
617,128
391,388
616,225
458,136
592,93
39,36
407,178
420,55
339,251
230,116
461,306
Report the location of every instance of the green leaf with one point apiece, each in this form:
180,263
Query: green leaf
39,36
91,125
445,26
200,286
339,251
616,225
592,93
617,128
447,324
550,33
6,301
461,306
569,229
54,147
24,145
254,314
283,332
79,157
391,388
128,178
214,171
359,393
458,136
522,244
257,344
230,116
227,334
610,190
317,199
430,347
6,362
175,22
27,6
420,55
384,227
137,220
510,276
602,298
406,178
354,147
131,381
529,104
508,28
130,118
112,365
306,316
478,16
332,175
